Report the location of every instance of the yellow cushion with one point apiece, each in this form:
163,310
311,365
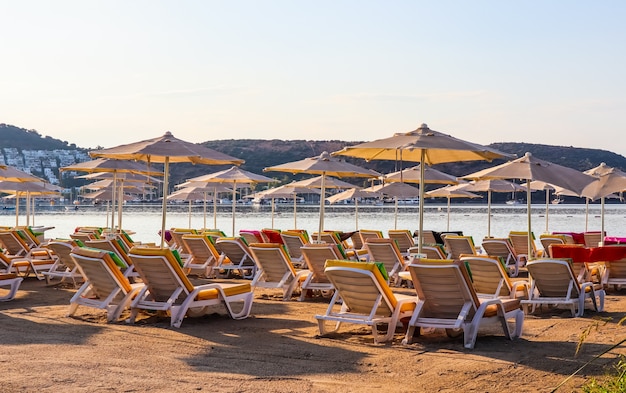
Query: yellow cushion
229,290
7,276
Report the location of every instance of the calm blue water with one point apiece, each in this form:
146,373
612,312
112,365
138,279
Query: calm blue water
469,218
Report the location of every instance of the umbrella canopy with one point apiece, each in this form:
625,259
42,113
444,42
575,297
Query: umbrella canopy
29,188
531,168
426,147
356,194
396,191
608,180
194,193
164,150
413,175
115,167
9,173
106,195
232,177
290,190
316,182
323,165
448,192
489,186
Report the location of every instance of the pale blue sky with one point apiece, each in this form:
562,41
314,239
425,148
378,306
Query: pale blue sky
112,72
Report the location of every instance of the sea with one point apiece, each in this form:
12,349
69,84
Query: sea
144,220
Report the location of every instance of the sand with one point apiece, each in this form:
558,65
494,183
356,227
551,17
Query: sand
277,349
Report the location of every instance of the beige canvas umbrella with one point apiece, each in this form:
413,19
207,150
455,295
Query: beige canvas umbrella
316,182
356,194
608,181
413,175
216,189
448,192
489,186
530,168
194,193
116,168
288,191
28,189
323,165
425,146
9,173
396,191
232,177
167,149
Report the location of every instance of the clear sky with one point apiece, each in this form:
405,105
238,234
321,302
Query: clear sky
112,72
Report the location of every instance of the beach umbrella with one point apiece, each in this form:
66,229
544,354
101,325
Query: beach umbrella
530,168
489,186
11,174
289,191
413,175
356,194
27,188
116,168
396,191
426,146
448,192
324,165
194,193
216,188
608,181
167,149
316,182
232,177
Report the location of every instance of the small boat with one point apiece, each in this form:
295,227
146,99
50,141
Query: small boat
513,202
556,201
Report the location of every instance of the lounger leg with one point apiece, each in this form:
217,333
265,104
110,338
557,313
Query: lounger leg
14,285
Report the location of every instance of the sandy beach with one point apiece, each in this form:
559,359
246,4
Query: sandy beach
277,349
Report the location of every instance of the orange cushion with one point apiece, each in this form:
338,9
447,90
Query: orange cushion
229,290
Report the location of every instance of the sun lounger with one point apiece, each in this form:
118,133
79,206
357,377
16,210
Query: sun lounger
167,288
490,279
403,239
204,255
274,269
447,300
457,245
39,259
105,286
64,266
235,255
12,281
315,256
294,241
363,297
387,252
503,249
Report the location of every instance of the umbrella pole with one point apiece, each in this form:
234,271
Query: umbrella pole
356,214
528,206
322,201
234,204
107,213
586,214
27,208
295,208
189,214
204,211
215,207
272,213
421,202
120,203
488,213
547,208
601,222
113,200
17,208
448,213
395,219
166,170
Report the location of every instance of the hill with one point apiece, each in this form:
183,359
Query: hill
20,138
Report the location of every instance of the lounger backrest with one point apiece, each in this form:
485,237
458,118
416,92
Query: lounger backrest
63,251
110,245
554,278
519,242
457,245
234,248
252,236
592,239
271,236
444,289
488,275
161,272
361,287
369,234
293,242
316,255
548,240
402,237
272,259
13,243
499,248
101,272
428,237
385,251
616,269
200,247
